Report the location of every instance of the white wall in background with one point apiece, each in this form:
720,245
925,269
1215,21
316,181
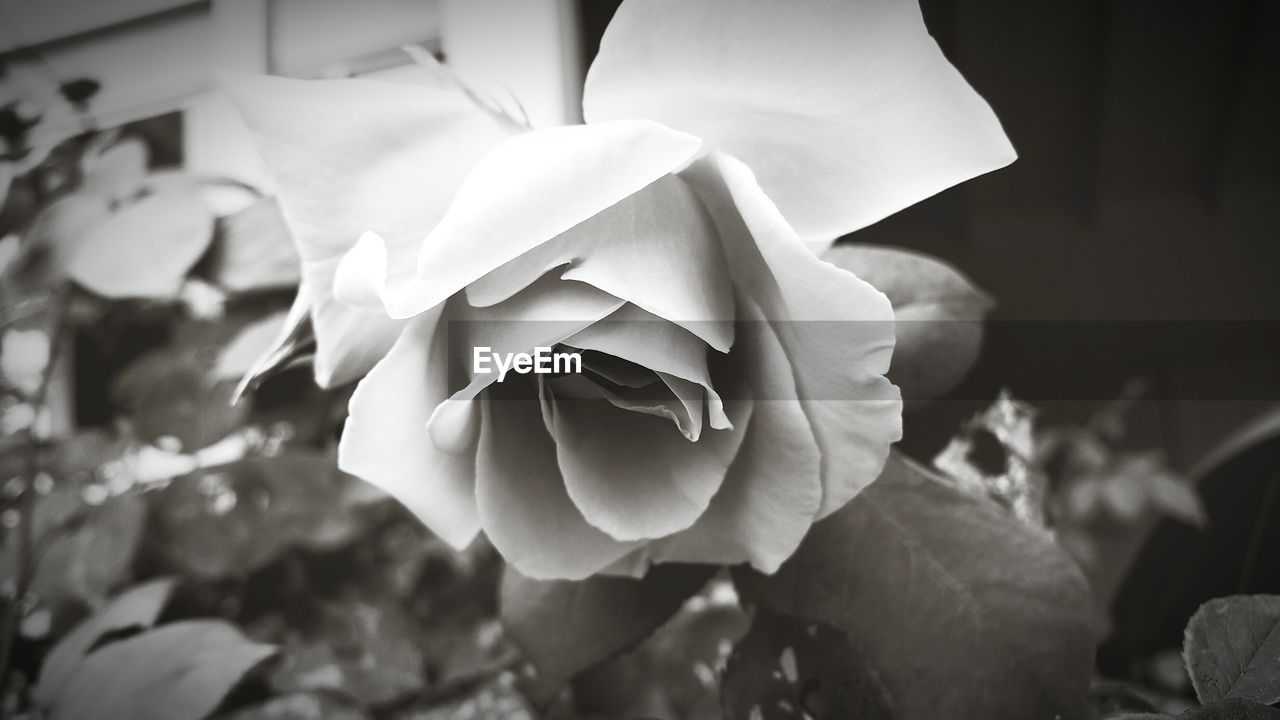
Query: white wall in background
157,56
529,48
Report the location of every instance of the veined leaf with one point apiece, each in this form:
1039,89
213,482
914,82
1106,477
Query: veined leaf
964,612
1232,649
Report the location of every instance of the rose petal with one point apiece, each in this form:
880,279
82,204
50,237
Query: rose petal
773,489
836,330
385,440
669,397
662,232
354,155
532,188
523,504
632,474
361,276
846,111
453,426
644,339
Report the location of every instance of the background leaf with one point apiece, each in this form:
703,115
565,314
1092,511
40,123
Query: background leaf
179,671
97,557
566,627
137,608
145,249
963,611
1232,710
786,666
938,312
1232,649
298,706
114,167
254,250
235,519
369,648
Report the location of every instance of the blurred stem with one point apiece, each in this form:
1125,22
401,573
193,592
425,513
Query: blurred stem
24,531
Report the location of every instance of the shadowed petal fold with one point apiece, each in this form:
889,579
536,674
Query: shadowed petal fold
633,474
523,504
846,110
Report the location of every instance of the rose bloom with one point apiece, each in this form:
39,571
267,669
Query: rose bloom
670,238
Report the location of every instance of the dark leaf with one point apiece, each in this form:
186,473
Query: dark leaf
938,312
963,611
298,706
566,627
1232,710
179,671
232,520
173,392
136,608
97,557
676,671
1232,649
1112,697
494,700
787,668
369,649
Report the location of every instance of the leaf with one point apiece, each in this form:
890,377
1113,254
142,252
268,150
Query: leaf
145,249
1232,710
255,340
114,167
676,671
235,519
299,706
254,250
786,666
137,607
179,671
172,392
55,235
566,627
964,611
492,701
369,649
96,558
1232,649
938,312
